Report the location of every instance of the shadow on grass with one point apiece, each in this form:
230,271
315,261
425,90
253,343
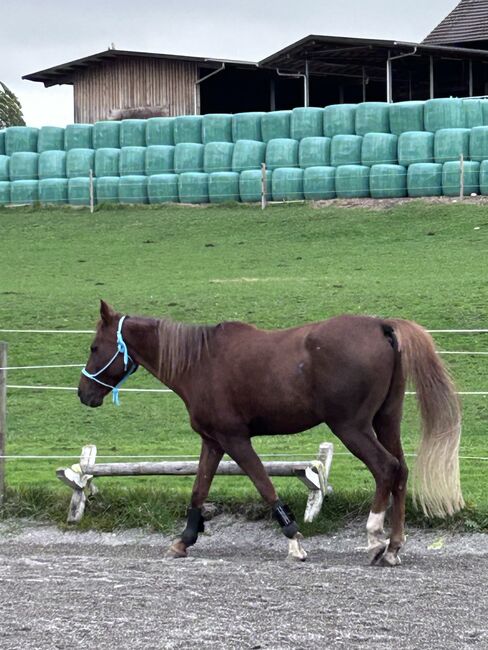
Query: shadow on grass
163,511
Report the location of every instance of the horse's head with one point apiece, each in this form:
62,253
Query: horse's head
107,365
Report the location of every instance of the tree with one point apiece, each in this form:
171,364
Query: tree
10,108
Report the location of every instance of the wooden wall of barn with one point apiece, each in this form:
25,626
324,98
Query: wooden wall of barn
126,83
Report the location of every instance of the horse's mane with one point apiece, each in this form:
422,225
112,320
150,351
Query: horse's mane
180,346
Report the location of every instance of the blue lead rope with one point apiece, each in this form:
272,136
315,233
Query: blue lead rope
121,349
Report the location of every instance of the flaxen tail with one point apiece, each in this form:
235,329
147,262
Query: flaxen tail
437,487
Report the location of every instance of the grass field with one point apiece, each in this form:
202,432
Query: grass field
287,265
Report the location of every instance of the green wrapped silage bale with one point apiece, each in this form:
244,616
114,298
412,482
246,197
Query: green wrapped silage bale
247,126
4,168
188,128
346,150
132,161
79,162
484,178
451,178
484,111
163,188
250,185
443,114
106,134
78,136
281,152
275,124
319,183
217,157
449,144
132,133
51,138
372,117
307,122
4,192
24,192
52,164
160,159
287,184
352,181
107,189
388,181
24,165
478,143
20,138
340,119
216,128
415,147
193,187
314,152
160,130
379,149
2,143
473,113
248,154
189,157
79,191
406,116
53,191
223,186
107,162
133,189
424,179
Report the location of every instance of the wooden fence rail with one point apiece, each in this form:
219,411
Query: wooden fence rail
79,477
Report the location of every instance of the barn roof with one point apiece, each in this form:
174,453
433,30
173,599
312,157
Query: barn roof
344,55
466,22
63,73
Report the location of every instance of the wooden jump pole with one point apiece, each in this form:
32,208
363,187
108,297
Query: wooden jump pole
3,417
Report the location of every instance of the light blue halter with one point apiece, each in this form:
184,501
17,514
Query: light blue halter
121,349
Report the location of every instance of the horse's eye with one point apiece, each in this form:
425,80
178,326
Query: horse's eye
93,348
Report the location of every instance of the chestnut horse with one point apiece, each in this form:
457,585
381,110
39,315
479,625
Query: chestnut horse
350,372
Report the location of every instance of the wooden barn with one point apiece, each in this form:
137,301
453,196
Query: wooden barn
317,70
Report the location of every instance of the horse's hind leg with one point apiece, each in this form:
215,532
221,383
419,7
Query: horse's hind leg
387,427
210,457
241,451
362,442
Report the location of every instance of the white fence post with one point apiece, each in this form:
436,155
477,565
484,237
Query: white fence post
263,186
461,191
3,417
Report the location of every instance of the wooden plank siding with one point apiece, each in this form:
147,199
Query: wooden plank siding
128,83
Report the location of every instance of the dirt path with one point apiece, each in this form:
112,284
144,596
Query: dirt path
91,590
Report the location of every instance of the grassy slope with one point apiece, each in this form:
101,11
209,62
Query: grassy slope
279,268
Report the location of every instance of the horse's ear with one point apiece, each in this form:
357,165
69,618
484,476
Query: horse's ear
106,312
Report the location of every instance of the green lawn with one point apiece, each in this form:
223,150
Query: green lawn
287,265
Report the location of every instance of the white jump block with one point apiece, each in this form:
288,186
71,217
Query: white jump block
79,477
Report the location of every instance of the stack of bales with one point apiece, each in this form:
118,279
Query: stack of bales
348,150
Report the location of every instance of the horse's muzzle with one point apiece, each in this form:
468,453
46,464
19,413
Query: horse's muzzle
90,400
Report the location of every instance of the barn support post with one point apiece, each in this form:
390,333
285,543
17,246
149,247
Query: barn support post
389,72
3,417
306,86
471,77
431,77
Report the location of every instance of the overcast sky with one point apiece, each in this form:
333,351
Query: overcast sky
38,35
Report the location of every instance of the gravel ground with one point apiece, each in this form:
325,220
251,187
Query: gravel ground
100,590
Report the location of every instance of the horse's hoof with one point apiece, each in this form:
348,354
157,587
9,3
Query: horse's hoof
296,552
376,553
390,559
176,550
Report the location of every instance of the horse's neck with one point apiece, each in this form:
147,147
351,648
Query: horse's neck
142,338
152,344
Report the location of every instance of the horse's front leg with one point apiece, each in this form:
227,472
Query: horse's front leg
240,449
210,457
